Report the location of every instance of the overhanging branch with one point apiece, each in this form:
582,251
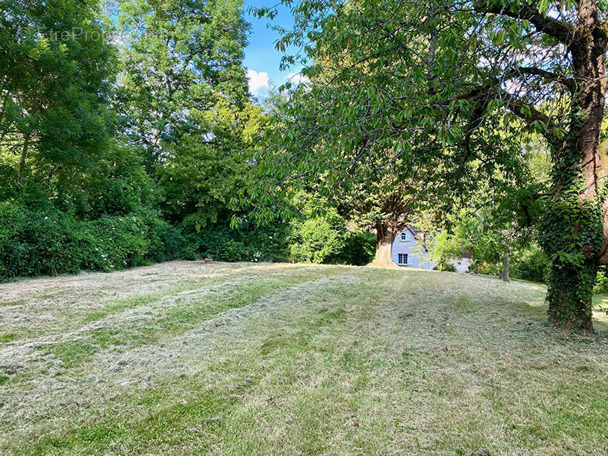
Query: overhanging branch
547,75
529,114
523,110
557,29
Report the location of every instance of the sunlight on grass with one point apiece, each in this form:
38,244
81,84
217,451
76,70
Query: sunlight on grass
600,301
312,360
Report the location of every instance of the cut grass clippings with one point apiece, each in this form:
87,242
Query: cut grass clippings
284,360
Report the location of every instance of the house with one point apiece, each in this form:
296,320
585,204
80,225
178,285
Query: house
407,252
464,263
410,251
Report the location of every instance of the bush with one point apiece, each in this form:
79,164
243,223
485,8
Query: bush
245,243
601,283
309,241
316,240
445,267
533,264
48,241
484,267
359,249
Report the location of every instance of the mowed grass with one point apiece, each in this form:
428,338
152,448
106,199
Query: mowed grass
299,360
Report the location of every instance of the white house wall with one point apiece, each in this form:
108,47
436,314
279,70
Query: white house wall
461,265
410,248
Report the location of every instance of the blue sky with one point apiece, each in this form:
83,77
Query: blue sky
262,59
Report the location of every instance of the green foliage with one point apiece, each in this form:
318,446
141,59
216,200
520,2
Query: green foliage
450,246
572,235
483,267
319,234
72,195
247,242
446,267
201,180
317,240
498,224
373,107
55,74
184,98
571,231
73,188
315,234
180,59
532,264
601,283
48,241
359,249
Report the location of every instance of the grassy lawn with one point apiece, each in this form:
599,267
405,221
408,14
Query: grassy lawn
186,358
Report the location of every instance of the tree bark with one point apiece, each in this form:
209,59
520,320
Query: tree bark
397,207
506,262
23,160
574,236
385,236
564,311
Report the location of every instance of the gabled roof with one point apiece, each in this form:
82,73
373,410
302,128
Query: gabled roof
416,234
412,230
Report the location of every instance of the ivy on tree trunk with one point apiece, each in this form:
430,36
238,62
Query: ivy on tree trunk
457,87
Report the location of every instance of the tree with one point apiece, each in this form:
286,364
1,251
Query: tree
387,205
180,58
55,74
202,179
318,233
475,78
72,194
385,200
446,246
495,238
184,97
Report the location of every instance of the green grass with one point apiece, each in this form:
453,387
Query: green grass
7,337
285,360
119,306
12,303
600,302
183,315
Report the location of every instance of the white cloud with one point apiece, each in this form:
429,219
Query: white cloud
297,78
259,83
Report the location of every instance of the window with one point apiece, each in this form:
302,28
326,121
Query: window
403,258
404,236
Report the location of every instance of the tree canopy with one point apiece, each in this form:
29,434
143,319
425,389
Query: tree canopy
461,86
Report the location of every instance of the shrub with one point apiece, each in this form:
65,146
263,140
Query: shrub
316,240
601,283
359,248
484,267
47,241
533,264
245,243
445,267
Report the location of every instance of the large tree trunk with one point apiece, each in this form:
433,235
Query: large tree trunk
574,226
385,236
397,207
384,250
384,244
565,310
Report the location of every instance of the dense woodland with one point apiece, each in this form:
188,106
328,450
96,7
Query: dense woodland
128,136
